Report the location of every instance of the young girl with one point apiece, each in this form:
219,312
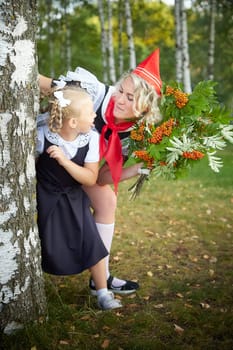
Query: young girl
134,98
68,158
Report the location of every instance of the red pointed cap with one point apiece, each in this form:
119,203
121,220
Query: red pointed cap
149,71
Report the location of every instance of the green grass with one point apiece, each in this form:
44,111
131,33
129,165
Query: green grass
177,240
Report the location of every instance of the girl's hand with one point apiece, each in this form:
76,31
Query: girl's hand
57,153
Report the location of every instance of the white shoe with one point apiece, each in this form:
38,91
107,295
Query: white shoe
107,302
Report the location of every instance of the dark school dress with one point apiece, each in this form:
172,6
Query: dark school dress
70,241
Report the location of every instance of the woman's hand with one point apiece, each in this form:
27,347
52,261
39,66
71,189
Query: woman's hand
105,176
44,84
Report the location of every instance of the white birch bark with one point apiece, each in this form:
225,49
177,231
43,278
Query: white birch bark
112,71
50,39
179,70
211,40
22,296
67,43
129,30
103,40
185,50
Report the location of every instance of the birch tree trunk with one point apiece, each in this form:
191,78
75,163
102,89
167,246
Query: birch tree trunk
22,297
185,50
103,40
211,40
120,44
129,30
112,71
179,70
66,45
50,39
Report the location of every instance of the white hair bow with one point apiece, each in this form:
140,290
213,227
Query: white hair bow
63,102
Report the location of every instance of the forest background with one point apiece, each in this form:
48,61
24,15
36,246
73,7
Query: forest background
69,35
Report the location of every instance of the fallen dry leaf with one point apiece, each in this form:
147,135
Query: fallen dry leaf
205,256
150,274
120,253
223,310
158,306
188,305
179,295
211,272
168,266
132,296
116,258
223,219
105,344
119,314
213,259
193,258
204,305
149,233
178,329
85,318
64,342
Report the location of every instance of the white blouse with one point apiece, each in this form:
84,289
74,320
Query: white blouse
70,147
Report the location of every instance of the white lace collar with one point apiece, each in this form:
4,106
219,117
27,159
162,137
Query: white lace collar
69,147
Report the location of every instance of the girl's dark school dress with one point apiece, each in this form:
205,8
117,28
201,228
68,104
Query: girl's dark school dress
70,241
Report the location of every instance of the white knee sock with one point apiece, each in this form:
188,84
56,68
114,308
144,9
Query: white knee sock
106,232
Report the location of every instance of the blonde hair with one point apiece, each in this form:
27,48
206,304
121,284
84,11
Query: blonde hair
146,99
58,114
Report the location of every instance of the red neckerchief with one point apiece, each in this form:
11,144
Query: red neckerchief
112,151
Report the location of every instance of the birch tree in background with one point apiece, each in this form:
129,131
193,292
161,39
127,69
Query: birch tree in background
50,37
22,297
129,31
185,50
111,59
120,44
211,40
103,40
66,47
182,42
179,69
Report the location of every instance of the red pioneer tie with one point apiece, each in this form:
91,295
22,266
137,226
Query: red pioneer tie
112,150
